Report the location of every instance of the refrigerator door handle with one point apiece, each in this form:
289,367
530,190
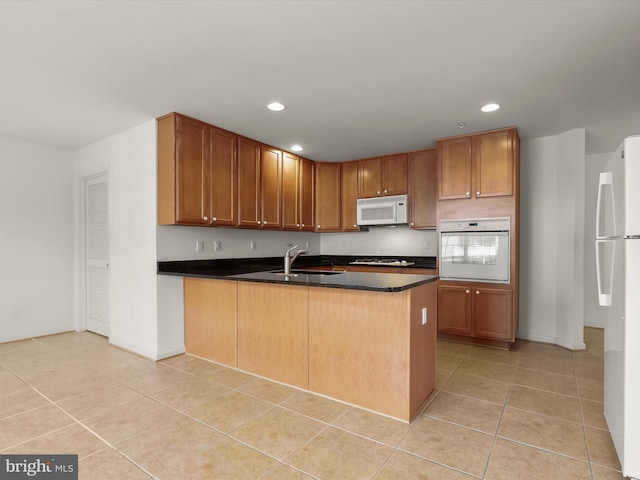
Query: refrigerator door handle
604,279
606,179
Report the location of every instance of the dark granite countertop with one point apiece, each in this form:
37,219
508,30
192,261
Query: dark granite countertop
262,270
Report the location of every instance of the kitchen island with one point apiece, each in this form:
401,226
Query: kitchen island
367,339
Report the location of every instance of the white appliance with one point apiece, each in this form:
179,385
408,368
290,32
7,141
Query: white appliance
618,276
383,210
475,250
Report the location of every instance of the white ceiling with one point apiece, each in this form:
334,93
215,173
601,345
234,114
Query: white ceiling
359,78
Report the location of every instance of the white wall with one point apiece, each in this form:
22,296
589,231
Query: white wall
552,239
384,241
179,243
593,313
130,158
36,240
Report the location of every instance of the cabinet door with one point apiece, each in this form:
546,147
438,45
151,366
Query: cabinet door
249,201
290,192
307,195
370,177
454,309
494,163
223,178
328,201
454,168
394,174
422,189
492,312
271,187
192,172
349,186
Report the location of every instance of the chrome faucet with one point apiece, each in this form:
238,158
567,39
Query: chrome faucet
288,259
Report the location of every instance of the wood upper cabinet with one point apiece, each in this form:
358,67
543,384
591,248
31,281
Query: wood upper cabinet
196,173
493,158
223,178
328,197
290,191
383,176
477,166
454,168
306,195
271,187
476,310
422,189
349,190
297,193
249,192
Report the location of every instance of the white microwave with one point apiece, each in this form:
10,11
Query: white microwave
383,210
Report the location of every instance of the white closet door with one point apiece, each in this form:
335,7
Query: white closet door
97,254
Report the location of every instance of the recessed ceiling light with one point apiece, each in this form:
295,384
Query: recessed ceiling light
490,107
297,148
275,107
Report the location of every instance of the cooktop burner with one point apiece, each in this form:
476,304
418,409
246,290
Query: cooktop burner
379,261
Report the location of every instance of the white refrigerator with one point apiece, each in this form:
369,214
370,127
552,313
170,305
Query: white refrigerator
618,272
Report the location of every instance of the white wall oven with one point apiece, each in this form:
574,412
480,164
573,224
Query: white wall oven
476,250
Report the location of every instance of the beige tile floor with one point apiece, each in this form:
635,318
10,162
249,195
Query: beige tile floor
531,413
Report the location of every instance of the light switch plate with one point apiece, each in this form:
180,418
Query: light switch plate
217,245
199,245
254,245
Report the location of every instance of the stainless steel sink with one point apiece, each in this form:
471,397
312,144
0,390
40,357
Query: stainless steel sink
295,273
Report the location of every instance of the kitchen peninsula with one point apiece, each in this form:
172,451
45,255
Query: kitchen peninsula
367,339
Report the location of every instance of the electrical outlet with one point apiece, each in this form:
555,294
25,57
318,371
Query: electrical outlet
307,246
254,245
424,315
199,245
217,245
426,245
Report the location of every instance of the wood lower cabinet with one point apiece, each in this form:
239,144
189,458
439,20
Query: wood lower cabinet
349,201
328,197
273,332
378,177
422,189
210,319
477,311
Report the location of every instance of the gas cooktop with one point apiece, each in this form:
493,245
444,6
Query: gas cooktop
381,261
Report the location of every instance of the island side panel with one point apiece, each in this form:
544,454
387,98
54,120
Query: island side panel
210,319
422,345
273,331
359,349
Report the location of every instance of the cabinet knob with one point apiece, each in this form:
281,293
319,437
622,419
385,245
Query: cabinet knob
412,224
385,191
468,194
259,222
297,224
213,219
318,226
378,192
303,225
355,226
467,291
477,193
264,223
477,292
205,218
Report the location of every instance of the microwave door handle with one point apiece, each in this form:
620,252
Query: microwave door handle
604,296
606,178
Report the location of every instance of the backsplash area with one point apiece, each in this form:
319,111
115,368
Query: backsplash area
398,240
179,243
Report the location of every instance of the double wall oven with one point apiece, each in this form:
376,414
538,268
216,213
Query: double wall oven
476,250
